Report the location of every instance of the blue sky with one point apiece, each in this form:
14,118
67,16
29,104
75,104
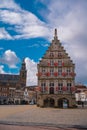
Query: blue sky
27,28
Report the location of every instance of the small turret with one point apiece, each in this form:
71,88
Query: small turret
55,34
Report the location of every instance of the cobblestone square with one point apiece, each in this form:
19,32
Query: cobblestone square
35,116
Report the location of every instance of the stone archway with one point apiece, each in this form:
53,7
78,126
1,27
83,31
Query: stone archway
63,103
49,102
52,102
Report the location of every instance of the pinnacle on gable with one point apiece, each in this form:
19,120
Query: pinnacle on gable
55,34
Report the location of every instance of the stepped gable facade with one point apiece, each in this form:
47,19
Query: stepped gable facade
56,77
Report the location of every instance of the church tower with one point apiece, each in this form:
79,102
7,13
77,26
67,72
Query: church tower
56,77
23,74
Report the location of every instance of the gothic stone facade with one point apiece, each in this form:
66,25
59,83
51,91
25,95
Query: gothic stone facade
56,77
11,84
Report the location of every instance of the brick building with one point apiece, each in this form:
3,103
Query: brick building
56,77
10,85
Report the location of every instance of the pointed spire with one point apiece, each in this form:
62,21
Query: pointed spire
23,64
55,34
23,60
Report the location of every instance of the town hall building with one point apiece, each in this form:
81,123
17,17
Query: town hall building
56,77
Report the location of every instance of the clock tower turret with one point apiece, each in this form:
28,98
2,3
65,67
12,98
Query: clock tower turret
23,73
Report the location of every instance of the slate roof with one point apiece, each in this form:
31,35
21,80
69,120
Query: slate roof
9,78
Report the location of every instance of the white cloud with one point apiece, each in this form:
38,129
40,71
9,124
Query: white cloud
31,72
26,24
39,45
4,34
10,17
2,69
31,31
34,45
10,58
78,55
45,45
70,19
9,4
